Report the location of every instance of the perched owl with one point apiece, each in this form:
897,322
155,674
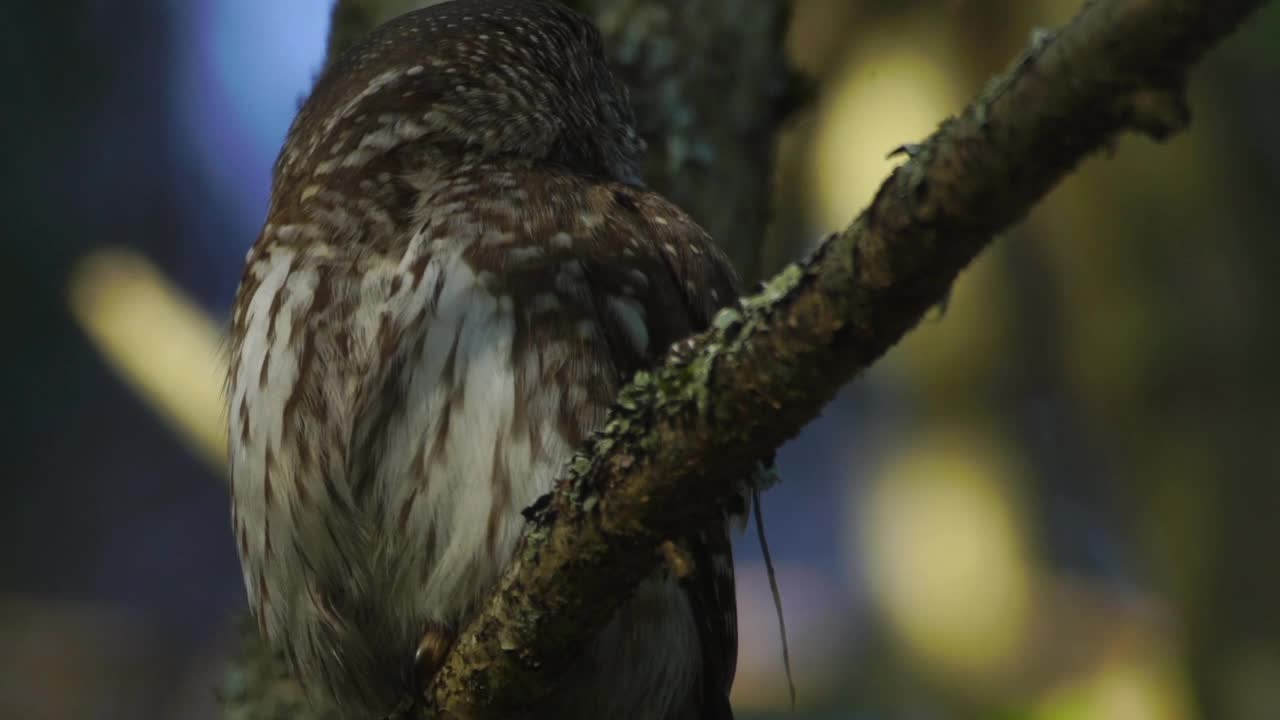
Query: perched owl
458,271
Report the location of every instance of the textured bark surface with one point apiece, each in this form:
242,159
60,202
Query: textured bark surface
681,435
710,86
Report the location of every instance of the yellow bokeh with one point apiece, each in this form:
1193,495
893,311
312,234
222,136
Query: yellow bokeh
164,346
894,89
1129,687
946,554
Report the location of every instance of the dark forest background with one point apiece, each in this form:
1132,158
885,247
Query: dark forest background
1057,499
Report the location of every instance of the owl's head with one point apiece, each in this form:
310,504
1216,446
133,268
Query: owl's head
525,78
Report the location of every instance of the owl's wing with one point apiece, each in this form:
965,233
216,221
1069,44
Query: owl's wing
686,280
298,353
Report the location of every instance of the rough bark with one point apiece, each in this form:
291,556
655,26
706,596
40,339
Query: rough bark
681,436
710,86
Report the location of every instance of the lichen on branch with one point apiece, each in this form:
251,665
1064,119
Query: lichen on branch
682,435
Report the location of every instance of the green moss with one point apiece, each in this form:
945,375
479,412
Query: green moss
780,286
727,320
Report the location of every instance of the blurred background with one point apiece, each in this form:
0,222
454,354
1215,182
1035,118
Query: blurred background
1057,499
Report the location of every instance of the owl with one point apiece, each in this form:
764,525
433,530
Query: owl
458,271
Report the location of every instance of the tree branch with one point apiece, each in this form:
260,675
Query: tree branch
681,438
710,85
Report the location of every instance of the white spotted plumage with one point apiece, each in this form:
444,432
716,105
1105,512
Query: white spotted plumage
455,278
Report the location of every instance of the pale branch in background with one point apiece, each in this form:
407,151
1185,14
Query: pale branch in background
682,435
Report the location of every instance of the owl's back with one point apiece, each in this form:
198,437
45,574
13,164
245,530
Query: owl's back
444,368
454,279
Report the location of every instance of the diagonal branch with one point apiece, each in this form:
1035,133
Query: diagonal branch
681,437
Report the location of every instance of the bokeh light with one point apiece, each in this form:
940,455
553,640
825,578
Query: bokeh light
947,553
1054,500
